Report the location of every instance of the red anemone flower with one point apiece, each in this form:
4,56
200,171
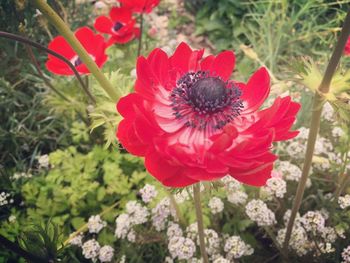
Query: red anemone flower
192,123
347,48
94,44
120,25
140,6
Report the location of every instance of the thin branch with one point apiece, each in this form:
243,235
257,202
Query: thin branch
38,69
53,53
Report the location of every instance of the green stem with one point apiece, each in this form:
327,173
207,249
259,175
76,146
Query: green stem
177,209
141,33
341,187
199,214
63,29
315,125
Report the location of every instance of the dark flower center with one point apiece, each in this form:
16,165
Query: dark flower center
209,95
117,26
77,62
205,100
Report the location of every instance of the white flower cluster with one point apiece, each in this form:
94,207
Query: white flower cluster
258,212
237,198
181,247
211,238
291,172
192,231
346,255
216,205
44,161
275,186
91,249
4,199
298,240
344,201
221,259
77,240
231,184
234,190
12,218
17,176
328,112
182,196
313,221
337,132
322,146
160,214
106,254
212,241
95,224
122,226
329,234
235,247
174,230
325,248
138,214
303,133
148,192
286,218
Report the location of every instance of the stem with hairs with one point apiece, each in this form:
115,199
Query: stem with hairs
199,214
317,106
63,29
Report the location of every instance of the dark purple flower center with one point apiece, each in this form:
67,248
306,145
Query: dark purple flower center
205,100
77,62
117,26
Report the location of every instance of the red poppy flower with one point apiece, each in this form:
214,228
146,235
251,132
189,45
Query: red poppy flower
120,25
140,6
94,44
347,48
192,123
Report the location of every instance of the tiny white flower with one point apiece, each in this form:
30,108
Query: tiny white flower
148,192
216,205
106,254
95,224
91,249
344,201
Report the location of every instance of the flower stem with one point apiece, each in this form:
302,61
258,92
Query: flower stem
177,208
317,106
341,187
140,38
53,53
199,214
63,29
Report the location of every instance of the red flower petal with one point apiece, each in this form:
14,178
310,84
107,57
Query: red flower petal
257,177
224,64
120,14
256,91
103,24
